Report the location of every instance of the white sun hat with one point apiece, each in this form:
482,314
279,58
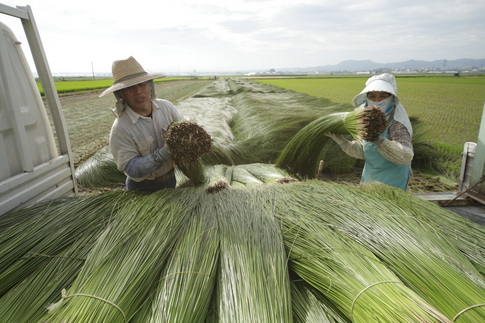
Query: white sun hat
128,72
385,82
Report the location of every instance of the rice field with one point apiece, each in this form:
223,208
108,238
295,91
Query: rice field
449,107
87,85
252,122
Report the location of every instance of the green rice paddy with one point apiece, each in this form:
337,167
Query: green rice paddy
87,85
450,108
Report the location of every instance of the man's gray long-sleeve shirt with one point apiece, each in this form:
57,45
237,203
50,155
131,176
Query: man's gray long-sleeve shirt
133,135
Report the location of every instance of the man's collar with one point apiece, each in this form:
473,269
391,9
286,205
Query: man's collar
134,116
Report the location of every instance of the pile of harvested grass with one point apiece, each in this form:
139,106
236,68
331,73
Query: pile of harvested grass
307,251
100,170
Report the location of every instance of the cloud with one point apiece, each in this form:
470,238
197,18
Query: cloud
211,35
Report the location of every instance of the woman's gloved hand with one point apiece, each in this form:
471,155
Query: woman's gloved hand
340,139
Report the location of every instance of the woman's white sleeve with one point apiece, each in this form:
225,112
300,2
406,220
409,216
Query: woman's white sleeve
351,148
399,149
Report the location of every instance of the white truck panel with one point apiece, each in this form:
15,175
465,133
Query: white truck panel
33,165
26,125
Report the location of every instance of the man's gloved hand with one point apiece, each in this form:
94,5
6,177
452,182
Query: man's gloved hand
162,154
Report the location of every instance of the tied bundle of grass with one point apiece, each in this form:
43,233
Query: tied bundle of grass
99,171
125,262
418,253
217,180
242,176
42,286
217,187
186,284
188,142
462,233
268,173
373,123
253,284
356,282
310,305
51,241
448,280
301,154
31,236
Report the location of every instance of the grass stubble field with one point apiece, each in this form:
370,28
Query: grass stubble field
449,109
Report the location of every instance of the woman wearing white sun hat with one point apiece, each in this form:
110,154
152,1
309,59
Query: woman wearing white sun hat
388,159
136,137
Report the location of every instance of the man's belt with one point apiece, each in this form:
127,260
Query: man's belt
163,178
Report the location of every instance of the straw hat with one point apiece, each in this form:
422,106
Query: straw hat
128,72
383,83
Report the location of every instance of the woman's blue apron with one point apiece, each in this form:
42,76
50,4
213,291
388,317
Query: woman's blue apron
378,168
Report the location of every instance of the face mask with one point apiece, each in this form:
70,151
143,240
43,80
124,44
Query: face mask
384,104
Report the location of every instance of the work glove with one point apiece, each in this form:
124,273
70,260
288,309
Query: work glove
162,154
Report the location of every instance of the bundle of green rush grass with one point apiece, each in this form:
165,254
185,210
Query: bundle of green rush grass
268,173
223,176
44,247
310,305
99,171
449,268
218,178
187,281
253,281
301,154
466,235
356,281
125,263
417,252
373,123
188,142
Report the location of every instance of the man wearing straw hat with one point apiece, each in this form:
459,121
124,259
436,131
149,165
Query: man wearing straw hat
136,137
387,159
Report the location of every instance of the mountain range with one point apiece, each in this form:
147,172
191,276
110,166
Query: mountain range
368,65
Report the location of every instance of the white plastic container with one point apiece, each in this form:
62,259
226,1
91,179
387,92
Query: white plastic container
468,159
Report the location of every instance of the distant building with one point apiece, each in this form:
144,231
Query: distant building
382,70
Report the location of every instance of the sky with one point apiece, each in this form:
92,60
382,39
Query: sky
243,35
